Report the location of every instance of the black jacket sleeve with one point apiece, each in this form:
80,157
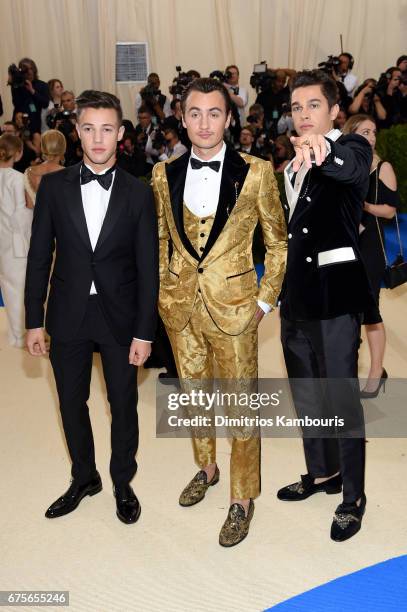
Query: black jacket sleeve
349,161
146,256
39,257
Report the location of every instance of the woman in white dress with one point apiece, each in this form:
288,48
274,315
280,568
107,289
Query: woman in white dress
53,147
15,231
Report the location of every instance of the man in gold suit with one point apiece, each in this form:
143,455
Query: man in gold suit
209,202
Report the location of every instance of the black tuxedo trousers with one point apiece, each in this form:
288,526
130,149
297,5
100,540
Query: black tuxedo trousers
72,365
328,349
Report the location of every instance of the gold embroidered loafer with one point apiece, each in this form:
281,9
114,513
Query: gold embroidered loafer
195,491
236,526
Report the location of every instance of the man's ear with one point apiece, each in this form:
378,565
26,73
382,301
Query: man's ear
333,113
120,133
228,119
183,120
78,130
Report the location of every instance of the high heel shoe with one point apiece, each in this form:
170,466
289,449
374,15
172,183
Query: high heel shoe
382,383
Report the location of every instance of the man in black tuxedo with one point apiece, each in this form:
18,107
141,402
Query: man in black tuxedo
324,292
103,291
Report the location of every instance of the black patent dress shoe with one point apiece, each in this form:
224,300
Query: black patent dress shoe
347,520
169,378
128,507
306,487
73,497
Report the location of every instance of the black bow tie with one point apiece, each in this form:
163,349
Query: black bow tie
105,180
196,164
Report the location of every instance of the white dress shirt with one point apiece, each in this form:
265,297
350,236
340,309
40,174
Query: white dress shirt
95,200
201,192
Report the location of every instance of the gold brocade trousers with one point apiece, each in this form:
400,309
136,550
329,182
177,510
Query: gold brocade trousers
198,348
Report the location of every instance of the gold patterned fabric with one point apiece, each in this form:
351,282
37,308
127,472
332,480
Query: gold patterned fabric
228,282
208,297
200,348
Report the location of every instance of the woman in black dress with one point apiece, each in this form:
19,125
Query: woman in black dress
381,203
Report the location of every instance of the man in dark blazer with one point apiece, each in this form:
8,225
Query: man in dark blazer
324,292
103,291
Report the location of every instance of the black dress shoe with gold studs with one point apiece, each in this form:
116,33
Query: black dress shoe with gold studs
71,499
195,490
236,526
128,507
347,520
306,487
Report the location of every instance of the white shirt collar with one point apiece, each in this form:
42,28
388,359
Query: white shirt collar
220,156
333,134
102,172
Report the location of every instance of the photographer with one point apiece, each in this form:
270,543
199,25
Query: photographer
130,157
368,101
246,141
274,95
65,122
238,94
344,73
152,97
391,95
55,89
262,135
175,121
173,146
29,95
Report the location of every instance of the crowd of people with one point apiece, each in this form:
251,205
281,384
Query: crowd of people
318,129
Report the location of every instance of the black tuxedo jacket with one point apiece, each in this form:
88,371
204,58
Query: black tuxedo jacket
123,266
325,276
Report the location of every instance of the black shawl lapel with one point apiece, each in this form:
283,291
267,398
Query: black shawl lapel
72,194
176,174
117,202
234,174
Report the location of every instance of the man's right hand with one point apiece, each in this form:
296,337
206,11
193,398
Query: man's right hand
36,341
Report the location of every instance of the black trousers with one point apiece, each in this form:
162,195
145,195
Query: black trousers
72,365
328,349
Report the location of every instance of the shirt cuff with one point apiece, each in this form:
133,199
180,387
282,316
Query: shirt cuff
266,308
140,340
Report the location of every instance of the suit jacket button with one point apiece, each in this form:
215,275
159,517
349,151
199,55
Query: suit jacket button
202,235
305,230
290,236
201,248
203,220
199,291
308,259
308,199
200,270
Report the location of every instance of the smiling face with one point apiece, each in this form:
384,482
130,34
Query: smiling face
99,131
367,129
205,119
310,111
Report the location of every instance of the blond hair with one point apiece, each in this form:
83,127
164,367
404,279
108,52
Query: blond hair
53,144
9,146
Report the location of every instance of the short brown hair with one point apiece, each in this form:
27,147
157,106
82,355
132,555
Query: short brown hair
206,85
9,146
317,77
91,98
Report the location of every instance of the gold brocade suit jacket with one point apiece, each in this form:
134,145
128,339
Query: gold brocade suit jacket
224,272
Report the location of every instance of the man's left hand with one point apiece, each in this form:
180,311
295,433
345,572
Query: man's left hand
139,352
259,314
304,146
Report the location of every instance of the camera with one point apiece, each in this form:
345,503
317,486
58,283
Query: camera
330,65
17,76
67,120
25,133
220,76
262,78
180,83
150,94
